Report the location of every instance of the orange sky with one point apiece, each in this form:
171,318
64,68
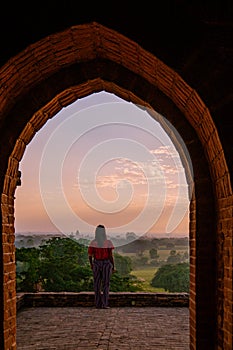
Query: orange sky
102,160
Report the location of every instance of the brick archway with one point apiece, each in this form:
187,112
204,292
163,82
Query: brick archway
63,67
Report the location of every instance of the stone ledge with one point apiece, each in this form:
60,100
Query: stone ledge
118,299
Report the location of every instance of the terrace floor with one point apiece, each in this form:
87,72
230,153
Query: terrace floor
117,328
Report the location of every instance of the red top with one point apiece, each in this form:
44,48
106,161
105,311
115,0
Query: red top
100,253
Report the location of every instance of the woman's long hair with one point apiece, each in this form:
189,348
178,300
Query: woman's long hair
100,235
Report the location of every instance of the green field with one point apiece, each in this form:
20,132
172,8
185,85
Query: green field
144,271
145,276
163,253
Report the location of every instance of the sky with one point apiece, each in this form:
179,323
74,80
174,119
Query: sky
102,160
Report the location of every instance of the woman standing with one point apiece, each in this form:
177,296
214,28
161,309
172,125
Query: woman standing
102,264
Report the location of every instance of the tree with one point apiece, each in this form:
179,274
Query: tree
123,264
155,243
185,257
154,257
131,236
124,283
64,266
174,258
28,271
61,264
153,253
173,278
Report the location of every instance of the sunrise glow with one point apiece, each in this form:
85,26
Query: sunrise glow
102,160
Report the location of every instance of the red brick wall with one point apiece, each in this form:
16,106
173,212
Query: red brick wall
210,217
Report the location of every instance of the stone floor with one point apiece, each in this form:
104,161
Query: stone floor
124,328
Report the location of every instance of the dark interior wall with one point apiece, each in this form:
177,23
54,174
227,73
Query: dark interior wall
194,40
192,37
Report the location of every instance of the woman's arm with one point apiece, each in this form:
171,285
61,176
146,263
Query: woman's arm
112,260
90,260
90,252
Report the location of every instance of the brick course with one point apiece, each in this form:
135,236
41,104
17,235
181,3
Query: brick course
119,299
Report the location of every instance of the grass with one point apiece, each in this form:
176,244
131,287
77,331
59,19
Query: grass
163,253
146,275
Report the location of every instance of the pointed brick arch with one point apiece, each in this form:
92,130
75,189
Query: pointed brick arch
30,96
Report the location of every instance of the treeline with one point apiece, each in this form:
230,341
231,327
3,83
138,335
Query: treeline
130,243
61,264
142,244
